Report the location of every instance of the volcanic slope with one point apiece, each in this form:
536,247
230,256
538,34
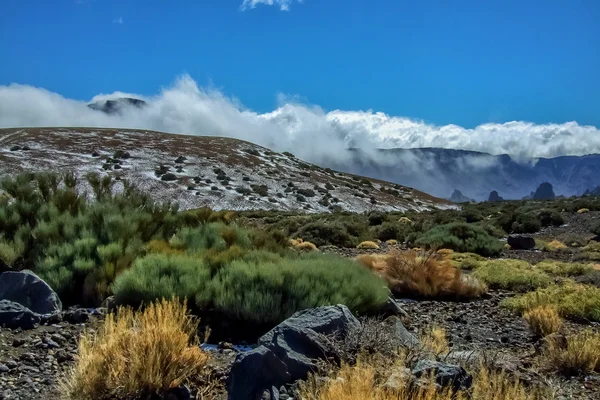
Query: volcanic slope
198,171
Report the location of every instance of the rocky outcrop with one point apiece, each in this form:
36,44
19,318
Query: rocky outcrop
446,375
14,315
521,242
289,351
116,106
544,192
494,196
458,197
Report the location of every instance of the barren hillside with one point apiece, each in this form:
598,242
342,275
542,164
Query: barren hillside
198,171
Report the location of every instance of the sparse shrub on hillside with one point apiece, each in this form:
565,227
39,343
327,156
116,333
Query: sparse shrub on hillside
596,229
560,268
368,245
575,241
376,218
391,242
405,220
472,215
515,275
327,233
305,246
575,354
461,237
526,223
583,211
427,276
572,300
550,218
137,354
392,231
554,246
543,320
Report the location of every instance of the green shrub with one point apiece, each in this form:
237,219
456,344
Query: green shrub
515,275
159,276
327,233
461,237
526,223
550,218
260,288
595,229
270,292
572,300
392,231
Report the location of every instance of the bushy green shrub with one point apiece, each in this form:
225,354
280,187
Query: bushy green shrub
392,230
526,223
327,233
595,229
550,218
260,288
461,237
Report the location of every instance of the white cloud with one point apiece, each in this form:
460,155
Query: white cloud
118,20
284,5
307,131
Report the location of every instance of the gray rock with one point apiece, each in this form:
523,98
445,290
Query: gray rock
289,351
392,308
3,369
298,341
400,378
521,242
404,337
77,316
109,303
253,371
445,374
27,289
14,315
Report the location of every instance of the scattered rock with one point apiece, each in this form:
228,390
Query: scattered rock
393,308
445,374
77,316
14,315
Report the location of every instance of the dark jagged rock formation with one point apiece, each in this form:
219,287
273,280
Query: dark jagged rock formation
544,192
458,197
116,106
494,196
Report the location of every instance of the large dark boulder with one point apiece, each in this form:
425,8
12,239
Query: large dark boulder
521,242
253,372
445,375
27,289
14,315
289,351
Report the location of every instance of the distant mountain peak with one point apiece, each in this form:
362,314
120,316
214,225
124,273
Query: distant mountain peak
115,106
458,197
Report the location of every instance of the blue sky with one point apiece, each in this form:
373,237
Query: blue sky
464,62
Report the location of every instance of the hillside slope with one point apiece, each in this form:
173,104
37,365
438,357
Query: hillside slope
197,171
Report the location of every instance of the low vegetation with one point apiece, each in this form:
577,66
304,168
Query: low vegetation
543,320
571,300
258,287
574,354
560,268
137,354
410,274
515,275
460,237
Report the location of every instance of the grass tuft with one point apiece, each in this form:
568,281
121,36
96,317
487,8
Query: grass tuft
543,320
429,276
368,245
137,354
435,340
563,268
576,354
555,246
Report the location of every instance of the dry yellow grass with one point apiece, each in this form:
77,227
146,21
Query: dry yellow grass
445,252
574,354
554,246
543,321
136,354
435,340
367,244
430,276
364,381
405,220
583,211
295,242
306,246
391,242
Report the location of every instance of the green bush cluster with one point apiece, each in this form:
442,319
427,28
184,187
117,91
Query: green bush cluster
260,287
461,237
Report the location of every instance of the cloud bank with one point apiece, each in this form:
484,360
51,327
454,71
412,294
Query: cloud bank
284,5
308,131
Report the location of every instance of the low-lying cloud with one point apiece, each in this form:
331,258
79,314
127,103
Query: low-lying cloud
308,131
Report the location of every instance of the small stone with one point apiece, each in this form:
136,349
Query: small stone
4,368
18,342
28,357
12,364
